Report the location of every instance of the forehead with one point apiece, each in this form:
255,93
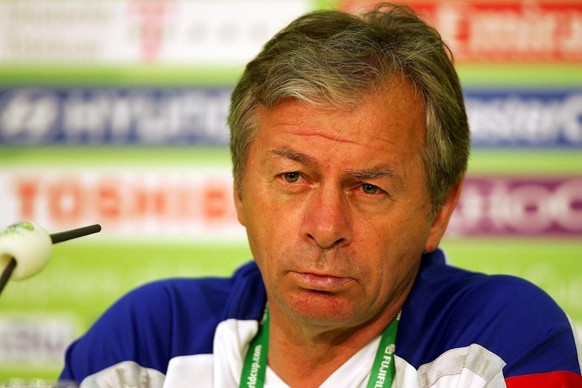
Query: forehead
394,114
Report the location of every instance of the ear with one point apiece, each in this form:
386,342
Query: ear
441,219
238,204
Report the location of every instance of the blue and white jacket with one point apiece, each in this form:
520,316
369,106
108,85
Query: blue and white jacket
458,329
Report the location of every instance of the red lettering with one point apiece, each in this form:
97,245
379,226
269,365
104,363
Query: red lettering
150,201
27,192
215,203
65,202
109,202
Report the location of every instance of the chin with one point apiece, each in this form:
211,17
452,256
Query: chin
321,309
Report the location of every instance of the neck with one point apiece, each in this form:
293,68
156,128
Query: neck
304,355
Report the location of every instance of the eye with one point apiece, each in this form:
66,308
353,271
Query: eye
291,177
370,189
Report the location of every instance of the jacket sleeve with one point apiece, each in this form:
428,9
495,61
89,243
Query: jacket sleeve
135,329
530,332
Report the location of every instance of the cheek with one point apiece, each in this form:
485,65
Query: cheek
266,231
270,218
393,244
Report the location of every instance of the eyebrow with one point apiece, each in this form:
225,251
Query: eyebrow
358,175
295,156
372,173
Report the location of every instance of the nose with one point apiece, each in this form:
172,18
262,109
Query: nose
327,220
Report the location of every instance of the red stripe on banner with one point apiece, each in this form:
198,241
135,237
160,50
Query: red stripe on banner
561,379
501,30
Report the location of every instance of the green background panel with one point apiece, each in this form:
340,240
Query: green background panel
97,156
472,75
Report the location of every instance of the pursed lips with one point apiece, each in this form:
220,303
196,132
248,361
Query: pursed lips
320,282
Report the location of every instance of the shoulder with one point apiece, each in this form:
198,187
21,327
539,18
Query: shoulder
507,315
164,319
195,299
199,299
190,297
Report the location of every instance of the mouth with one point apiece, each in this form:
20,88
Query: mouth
321,282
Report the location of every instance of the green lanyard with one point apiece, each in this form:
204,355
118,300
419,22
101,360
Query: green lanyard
381,375
255,366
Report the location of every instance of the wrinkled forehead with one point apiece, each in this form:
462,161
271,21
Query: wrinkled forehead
393,115
397,95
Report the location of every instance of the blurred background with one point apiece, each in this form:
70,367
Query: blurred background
113,112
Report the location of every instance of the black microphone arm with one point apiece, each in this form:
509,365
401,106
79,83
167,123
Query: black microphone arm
25,248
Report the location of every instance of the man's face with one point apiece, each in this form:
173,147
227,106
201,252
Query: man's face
336,208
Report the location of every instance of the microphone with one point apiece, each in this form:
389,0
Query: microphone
25,248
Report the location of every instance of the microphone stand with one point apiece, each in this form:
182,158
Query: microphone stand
55,238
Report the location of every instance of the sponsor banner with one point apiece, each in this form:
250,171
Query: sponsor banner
502,31
197,204
519,206
126,32
194,204
528,118
35,340
150,116
165,116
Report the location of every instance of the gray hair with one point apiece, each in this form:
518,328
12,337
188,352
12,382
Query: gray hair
334,59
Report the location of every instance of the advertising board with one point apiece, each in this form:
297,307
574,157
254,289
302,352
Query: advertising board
113,112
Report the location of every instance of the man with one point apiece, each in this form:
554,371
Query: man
349,143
